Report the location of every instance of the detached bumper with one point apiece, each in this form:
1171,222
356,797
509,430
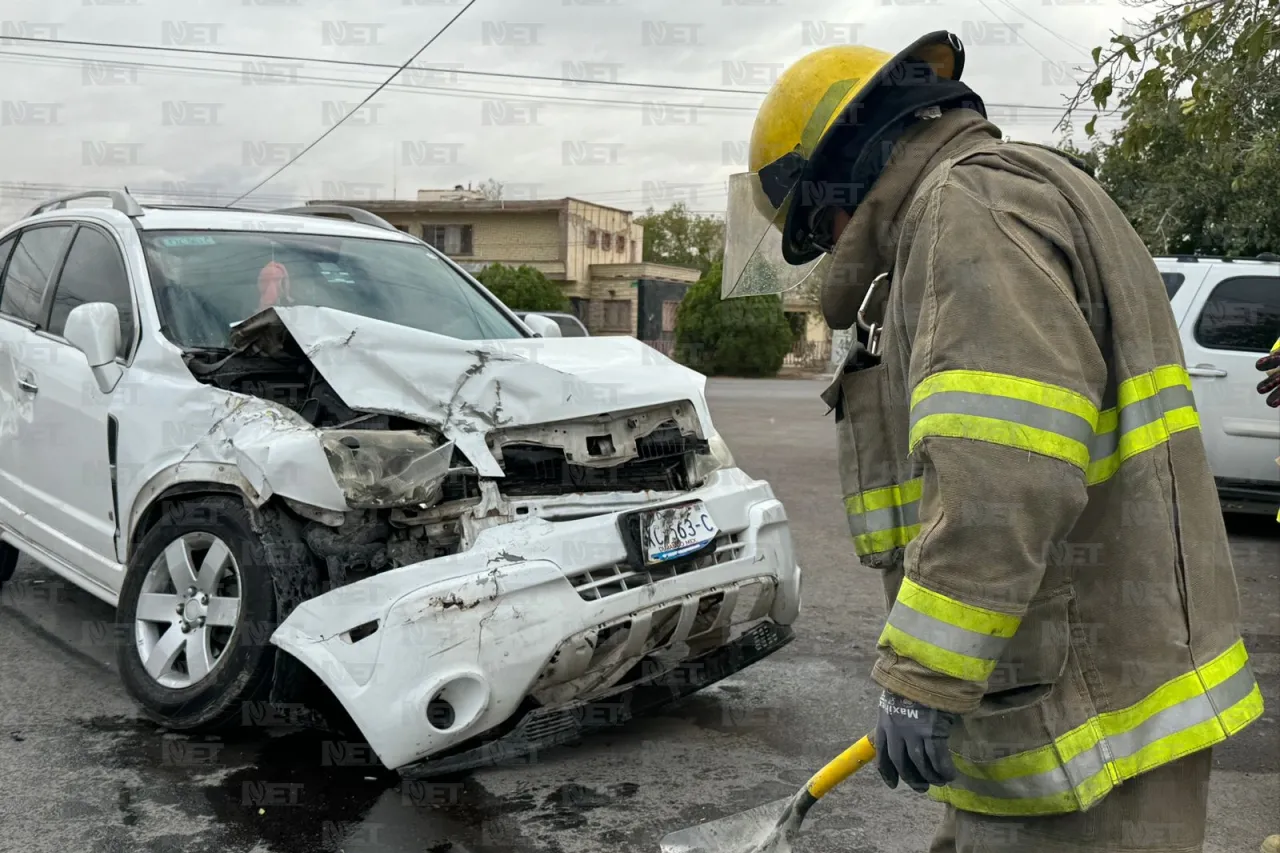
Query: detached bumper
429,658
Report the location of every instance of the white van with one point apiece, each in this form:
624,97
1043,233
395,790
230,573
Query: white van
1228,314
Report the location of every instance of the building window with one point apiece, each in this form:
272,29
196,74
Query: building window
617,314
450,239
622,243
669,309
606,240
404,228
592,238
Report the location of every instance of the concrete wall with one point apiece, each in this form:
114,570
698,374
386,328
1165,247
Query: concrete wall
583,218
509,238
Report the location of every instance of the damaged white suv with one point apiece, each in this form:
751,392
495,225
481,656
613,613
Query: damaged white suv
296,451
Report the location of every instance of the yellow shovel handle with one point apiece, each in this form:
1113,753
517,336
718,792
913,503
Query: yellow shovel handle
841,767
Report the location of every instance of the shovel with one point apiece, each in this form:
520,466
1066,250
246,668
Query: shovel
771,827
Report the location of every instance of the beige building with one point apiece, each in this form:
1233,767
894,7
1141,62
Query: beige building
593,251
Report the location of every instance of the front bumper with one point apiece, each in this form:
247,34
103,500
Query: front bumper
428,658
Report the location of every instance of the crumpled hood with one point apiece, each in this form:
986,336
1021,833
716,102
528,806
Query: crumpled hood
469,388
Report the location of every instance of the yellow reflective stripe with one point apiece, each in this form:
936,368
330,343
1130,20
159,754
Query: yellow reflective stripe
884,540
1276,346
875,499
884,519
1004,385
946,635
936,658
967,616
1009,434
1188,713
1006,410
1144,419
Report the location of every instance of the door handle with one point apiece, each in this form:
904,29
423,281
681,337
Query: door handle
28,384
1205,370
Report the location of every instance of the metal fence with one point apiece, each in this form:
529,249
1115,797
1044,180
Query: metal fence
808,354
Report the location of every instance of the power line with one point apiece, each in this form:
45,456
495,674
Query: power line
458,71
1051,32
352,112
346,82
327,61
1043,55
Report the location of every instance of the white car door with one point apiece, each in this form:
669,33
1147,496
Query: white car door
1234,321
66,462
31,264
15,405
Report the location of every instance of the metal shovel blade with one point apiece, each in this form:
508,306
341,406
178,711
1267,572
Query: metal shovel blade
763,829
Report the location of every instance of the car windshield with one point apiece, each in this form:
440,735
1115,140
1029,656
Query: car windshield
205,281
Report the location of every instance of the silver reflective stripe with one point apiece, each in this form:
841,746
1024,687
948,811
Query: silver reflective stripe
1137,415
861,523
1086,765
1006,409
935,632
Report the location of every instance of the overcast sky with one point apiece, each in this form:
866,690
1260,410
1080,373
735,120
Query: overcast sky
193,126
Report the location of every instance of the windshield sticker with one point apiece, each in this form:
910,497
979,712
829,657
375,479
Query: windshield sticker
187,240
335,274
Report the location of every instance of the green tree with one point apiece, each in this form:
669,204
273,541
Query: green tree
743,336
1196,164
523,288
681,238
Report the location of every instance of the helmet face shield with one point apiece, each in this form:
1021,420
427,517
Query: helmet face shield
753,261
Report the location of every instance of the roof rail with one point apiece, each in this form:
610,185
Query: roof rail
120,200
199,207
355,214
1269,257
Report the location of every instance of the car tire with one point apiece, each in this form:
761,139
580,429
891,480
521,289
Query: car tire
226,659
8,561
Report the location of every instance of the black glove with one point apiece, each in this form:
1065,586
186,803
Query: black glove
1271,363
911,743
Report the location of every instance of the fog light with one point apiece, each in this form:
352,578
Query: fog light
440,714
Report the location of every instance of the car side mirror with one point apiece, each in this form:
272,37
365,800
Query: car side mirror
543,327
94,329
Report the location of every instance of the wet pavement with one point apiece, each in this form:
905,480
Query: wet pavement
80,771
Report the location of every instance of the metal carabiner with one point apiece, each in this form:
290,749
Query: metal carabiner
873,330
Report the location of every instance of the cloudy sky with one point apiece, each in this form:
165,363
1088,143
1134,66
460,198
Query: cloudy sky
185,123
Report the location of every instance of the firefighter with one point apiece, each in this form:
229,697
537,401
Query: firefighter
1019,452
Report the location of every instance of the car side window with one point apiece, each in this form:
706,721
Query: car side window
6,246
94,272
29,269
1172,281
1241,314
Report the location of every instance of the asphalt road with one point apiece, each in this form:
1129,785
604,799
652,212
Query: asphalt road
79,771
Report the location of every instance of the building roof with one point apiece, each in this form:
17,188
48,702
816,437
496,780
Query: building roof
509,206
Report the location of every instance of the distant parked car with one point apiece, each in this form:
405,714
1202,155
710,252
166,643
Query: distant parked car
1228,311
570,326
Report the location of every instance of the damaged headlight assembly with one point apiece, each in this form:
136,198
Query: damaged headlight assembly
715,458
377,469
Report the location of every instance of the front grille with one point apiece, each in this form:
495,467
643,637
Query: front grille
662,464
604,581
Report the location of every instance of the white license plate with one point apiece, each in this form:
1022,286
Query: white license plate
672,532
